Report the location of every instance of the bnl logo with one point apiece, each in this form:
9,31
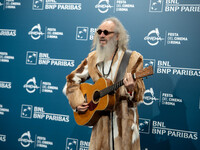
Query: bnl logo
38,5
1,4
156,6
26,111
149,62
82,33
31,58
71,144
144,125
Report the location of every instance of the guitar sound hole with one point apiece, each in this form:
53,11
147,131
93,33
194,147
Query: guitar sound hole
96,96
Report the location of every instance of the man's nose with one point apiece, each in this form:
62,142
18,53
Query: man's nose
102,34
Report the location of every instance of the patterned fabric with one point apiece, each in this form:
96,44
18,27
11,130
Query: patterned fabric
121,124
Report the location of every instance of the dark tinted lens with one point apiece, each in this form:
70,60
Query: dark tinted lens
99,31
105,32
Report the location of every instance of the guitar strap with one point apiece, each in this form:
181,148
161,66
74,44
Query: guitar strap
120,76
123,65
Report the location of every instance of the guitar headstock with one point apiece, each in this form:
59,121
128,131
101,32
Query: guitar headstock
143,73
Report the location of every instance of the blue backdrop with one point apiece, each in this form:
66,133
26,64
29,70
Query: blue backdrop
42,41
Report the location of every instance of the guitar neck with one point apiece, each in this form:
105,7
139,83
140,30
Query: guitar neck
140,74
111,88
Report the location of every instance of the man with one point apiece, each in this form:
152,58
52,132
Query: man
119,129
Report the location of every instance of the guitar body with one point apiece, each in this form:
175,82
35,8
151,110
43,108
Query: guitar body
100,99
96,106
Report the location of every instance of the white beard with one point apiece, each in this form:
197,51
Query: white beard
105,53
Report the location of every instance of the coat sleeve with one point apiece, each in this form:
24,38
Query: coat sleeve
72,86
136,64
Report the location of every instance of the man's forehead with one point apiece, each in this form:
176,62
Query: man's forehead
109,25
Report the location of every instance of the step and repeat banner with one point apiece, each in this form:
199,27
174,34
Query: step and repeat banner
42,41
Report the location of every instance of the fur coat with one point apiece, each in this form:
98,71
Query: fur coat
119,130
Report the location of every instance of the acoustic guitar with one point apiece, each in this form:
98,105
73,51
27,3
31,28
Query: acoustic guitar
100,97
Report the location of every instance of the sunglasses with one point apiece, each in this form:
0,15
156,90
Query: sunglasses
105,32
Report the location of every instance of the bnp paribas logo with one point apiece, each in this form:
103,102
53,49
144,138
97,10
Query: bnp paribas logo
38,5
144,125
71,144
82,33
156,6
26,111
1,4
31,58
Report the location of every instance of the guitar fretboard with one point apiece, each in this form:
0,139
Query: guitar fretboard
145,72
111,88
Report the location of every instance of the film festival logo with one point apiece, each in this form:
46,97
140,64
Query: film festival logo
10,4
149,97
50,33
40,141
25,139
45,87
153,37
36,32
2,138
173,38
71,144
31,85
3,110
4,57
103,6
144,125
169,99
